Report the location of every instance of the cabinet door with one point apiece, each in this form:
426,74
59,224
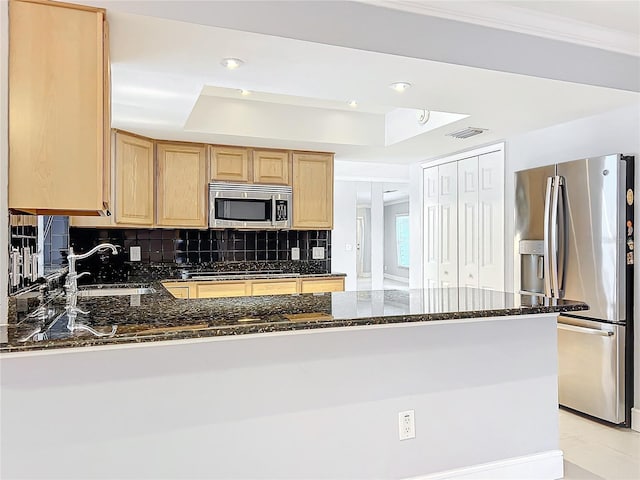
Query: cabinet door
221,289
134,180
271,167
491,220
431,229
230,164
312,191
274,287
317,285
448,227
56,108
468,235
182,185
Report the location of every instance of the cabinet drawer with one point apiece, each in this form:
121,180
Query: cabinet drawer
221,289
281,287
318,285
179,292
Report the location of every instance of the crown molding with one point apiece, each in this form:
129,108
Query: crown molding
521,20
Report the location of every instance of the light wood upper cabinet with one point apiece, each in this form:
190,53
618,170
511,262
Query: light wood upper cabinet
312,191
230,164
182,185
271,166
58,108
134,180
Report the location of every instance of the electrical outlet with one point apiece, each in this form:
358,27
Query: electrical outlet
134,254
406,425
317,253
295,253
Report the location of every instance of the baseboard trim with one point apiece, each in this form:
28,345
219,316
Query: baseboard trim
397,278
545,465
635,419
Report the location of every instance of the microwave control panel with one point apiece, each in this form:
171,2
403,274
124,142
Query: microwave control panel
281,211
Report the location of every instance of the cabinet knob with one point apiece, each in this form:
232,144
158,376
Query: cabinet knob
470,276
446,273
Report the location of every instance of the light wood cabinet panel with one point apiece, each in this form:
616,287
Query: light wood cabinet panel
134,180
274,287
230,164
317,285
58,109
182,185
181,291
312,191
221,289
23,220
272,167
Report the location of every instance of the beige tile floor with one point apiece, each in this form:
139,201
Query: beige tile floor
593,451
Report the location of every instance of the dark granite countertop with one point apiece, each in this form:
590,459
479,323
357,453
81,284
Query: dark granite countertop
218,277
158,316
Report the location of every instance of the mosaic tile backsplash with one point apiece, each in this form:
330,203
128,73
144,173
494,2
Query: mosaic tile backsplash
165,252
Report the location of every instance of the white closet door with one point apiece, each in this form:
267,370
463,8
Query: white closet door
431,206
468,266
491,210
448,231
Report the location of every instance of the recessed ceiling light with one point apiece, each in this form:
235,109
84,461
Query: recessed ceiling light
244,92
352,103
231,63
400,86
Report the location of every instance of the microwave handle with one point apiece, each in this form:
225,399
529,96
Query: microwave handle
273,210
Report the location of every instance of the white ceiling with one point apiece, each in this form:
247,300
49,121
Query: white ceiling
607,24
168,83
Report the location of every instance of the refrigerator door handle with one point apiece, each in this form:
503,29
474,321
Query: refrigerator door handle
590,331
547,245
565,235
555,287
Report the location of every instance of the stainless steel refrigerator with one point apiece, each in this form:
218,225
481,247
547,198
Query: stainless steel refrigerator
574,239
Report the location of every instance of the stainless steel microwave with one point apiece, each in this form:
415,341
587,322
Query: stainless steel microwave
239,205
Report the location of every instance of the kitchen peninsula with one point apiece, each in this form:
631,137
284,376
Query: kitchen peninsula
291,386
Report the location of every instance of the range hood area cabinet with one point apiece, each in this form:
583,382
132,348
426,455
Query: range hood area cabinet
59,107
160,184
312,191
247,165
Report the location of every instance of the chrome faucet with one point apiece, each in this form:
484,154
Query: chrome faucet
71,288
71,285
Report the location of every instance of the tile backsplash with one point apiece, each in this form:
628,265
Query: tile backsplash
167,251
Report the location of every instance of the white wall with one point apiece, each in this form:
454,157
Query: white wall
343,237
613,132
416,218
4,161
377,236
320,404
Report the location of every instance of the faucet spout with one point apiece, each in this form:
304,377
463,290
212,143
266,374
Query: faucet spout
102,246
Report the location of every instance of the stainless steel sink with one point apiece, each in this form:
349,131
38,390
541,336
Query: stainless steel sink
111,291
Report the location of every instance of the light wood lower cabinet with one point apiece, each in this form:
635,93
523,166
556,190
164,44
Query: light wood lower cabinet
273,287
316,285
58,109
182,185
312,191
234,288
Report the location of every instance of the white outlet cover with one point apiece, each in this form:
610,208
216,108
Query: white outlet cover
295,253
317,253
406,425
134,254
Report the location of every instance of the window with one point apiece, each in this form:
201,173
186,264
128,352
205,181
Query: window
402,240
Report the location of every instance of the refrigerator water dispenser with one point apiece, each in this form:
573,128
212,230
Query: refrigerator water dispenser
532,266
